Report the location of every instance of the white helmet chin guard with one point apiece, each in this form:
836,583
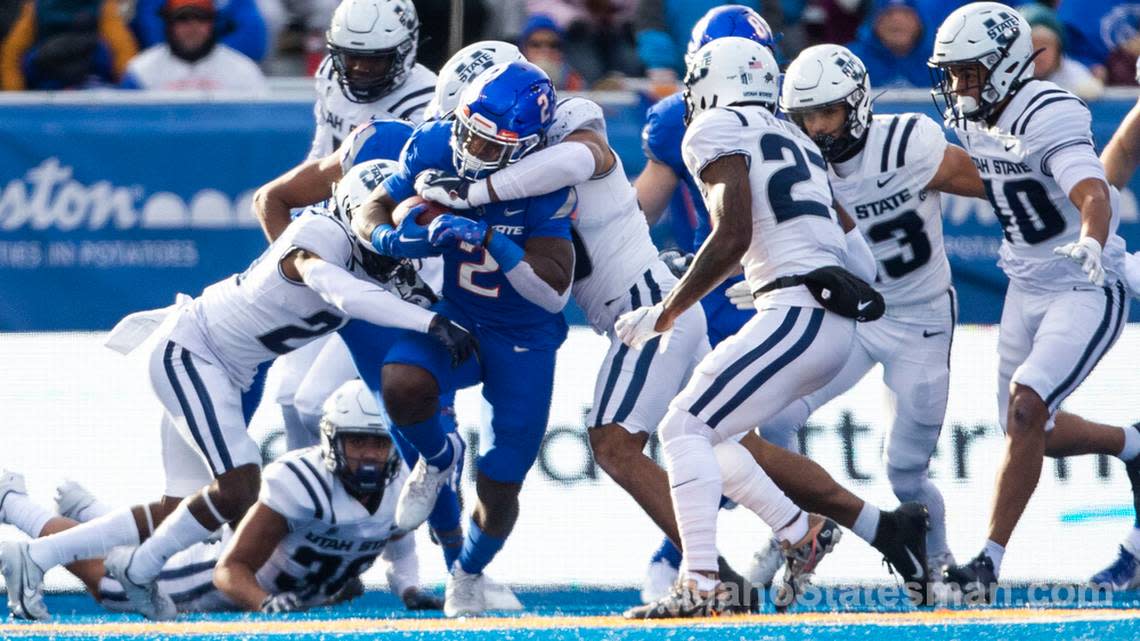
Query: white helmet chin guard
462,68
826,75
994,37
730,71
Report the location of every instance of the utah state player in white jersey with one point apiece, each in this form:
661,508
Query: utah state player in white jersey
371,70
886,171
1065,306
322,517
308,283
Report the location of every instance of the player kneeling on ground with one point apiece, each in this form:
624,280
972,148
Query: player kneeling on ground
322,517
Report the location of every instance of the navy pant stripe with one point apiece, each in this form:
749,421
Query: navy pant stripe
744,361
619,360
772,369
644,360
208,410
168,365
1074,376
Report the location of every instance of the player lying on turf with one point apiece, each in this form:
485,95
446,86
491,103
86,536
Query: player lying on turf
308,283
323,516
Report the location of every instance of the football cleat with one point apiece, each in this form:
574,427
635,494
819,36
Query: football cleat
421,490
976,580
11,483
25,581
71,499
804,556
766,563
146,599
659,579
901,538
686,601
1123,574
937,563
465,595
500,597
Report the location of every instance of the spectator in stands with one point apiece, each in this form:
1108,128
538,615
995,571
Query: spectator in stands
1103,35
65,44
1052,64
541,43
192,58
892,44
665,26
239,25
828,21
598,34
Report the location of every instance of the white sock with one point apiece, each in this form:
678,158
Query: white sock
179,531
867,523
749,485
995,552
93,511
695,488
1131,444
795,531
25,514
1132,543
91,540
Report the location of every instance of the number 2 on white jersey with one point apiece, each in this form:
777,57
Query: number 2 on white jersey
468,269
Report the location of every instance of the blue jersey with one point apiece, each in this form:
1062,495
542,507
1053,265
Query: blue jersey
472,280
376,140
661,139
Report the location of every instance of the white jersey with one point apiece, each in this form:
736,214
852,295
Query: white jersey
259,314
884,189
337,116
794,228
1036,215
332,536
612,243
223,69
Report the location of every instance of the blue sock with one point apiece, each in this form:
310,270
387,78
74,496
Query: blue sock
667,552
452,545
478,549
429,440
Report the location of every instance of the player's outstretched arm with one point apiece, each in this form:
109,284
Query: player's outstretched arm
957,174
306,184
256,537
1122,154
655,187
356,297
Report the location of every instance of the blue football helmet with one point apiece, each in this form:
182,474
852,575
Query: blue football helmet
502,116
730,20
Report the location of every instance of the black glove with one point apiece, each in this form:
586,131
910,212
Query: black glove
416,599
284,602
443,188
405,279
677,261
458,341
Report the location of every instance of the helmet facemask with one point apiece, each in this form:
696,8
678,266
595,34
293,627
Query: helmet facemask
836,145
369,477
479,148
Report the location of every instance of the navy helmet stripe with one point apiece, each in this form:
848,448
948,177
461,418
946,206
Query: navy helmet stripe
772,369
718,384
208,410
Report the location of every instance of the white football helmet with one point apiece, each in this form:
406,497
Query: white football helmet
462,68
730,71
354,188
992,36
352,409
825,75
372,44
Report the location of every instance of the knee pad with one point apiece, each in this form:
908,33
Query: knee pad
736,466
678,423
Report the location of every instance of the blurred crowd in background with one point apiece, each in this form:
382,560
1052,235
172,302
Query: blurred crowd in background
583,44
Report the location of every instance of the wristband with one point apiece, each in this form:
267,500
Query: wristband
378,234
505,251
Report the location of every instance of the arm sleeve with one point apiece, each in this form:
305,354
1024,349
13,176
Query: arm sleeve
365,300
531,287
20,38
714,134
247,28
860,260
535,175
118,38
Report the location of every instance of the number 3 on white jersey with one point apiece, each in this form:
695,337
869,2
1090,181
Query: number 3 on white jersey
468,269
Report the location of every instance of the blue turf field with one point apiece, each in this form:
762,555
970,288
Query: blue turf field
555,615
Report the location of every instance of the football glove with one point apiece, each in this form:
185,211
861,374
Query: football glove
460,343
638,327
740,295
408,285
407,240
449,230
283,602
677,261
446,189
1086,253
416,599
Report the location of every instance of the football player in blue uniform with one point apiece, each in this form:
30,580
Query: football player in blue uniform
507,274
